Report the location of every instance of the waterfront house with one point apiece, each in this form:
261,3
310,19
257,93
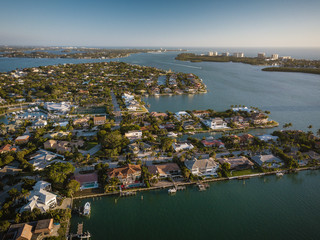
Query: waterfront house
203,167
268,161
182,146
40,198
87,181
134,135
267,138
158,114
128,175
99,120
22,139
31,230
237,163
215,123
181,115
212,143
201,113
164,170
259,118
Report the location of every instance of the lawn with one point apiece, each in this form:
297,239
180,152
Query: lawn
91,145
245,172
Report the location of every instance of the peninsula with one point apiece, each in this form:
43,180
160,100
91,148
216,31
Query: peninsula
278,64
72,52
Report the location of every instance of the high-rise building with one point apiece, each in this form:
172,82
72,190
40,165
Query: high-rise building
213,54
238,54
225,54
261,55
274,56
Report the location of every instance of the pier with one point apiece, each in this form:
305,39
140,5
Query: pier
80,234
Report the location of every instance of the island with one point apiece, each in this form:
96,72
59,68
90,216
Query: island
73,52
278,64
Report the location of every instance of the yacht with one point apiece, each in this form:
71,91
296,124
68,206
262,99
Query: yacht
87,209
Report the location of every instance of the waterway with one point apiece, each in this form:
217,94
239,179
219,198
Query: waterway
259,208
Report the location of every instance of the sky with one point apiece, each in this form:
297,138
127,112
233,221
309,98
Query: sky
165,23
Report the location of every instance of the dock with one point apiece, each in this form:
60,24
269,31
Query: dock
80,234
202,186
127,193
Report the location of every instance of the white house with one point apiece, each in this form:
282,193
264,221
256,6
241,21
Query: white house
203,167
62,107
182,146
40,198
134,135
215,123
41,123
267,138
181,115
269,161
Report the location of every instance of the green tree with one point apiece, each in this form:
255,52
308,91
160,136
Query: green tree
72,187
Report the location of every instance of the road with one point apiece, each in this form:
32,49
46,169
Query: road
116,111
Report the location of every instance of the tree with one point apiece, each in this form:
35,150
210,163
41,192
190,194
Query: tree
59,172
310,126
72,187
4,225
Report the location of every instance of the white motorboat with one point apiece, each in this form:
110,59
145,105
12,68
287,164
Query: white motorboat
87,209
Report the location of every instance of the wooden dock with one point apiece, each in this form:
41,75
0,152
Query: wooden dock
80,233
127,193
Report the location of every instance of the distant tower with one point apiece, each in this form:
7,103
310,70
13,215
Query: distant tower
261,55
274,56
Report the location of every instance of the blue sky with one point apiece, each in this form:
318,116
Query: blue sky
176,23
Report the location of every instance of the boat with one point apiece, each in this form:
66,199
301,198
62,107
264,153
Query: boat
172,190
87,209
279,174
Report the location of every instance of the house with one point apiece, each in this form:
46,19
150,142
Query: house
267,138
41,123
87,181
62,107
237,163
42,158
164,170
129,176
201,113
99,120
215,123
40,198
246,139
181,115
7,148
268,161
44,226
182,146
22,139
21,231
63,146
158,114
81,121
31,230
259,118
212,143
134,135
203,167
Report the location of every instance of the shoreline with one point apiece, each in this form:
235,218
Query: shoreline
242,177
